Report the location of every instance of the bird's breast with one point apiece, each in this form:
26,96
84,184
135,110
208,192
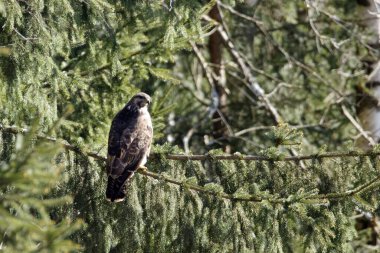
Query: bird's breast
145,121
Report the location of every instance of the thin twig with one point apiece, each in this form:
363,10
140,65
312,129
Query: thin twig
109,65
256,89
357,126
290,58
203,63
259,128
253,85
277,88
274,159
22,36
208,72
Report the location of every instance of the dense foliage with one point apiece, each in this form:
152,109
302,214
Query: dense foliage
27,175
80,61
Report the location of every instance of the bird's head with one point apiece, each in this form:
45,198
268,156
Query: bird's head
141,100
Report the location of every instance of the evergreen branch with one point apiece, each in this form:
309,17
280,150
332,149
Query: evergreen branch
109,65
203,190
357,191
183,157
249,198
65,144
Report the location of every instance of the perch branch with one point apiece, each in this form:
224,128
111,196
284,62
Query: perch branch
249,198
183,157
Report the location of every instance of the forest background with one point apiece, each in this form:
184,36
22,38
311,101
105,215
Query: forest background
265,118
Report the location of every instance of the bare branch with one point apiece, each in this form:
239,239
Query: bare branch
203,63
23,37
214,106
253,85
258,128
358,127
267,35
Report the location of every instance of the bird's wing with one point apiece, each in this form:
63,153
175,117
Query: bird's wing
114,140
135,145
129,148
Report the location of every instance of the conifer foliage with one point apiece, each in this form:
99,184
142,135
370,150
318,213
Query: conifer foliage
28,172
280,85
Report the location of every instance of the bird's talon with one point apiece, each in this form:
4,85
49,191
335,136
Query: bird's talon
143,168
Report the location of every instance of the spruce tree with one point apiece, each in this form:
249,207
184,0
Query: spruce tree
29,170
254,108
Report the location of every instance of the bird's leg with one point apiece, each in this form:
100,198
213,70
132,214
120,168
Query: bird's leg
143,168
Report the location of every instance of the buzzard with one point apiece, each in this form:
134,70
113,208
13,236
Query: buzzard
129,143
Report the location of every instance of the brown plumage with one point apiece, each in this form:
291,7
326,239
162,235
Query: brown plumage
129,143
368,111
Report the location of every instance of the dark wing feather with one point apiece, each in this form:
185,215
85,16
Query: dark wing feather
120,137
129,142
114,142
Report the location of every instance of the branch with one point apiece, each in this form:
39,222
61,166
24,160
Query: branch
203,189
249,198
358,127
109,65
273,159
357,191
182,157
23,37
259,128
214,107
253,85
267,35
106,66
65,144
204,65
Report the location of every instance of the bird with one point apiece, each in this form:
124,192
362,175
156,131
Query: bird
129,141
368,112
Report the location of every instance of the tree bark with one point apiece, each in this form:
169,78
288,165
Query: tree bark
220,130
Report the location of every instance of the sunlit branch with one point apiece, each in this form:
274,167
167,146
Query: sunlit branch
248,198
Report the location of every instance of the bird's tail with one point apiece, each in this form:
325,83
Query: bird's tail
116,187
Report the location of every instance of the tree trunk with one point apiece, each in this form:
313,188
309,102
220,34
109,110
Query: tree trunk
220,130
